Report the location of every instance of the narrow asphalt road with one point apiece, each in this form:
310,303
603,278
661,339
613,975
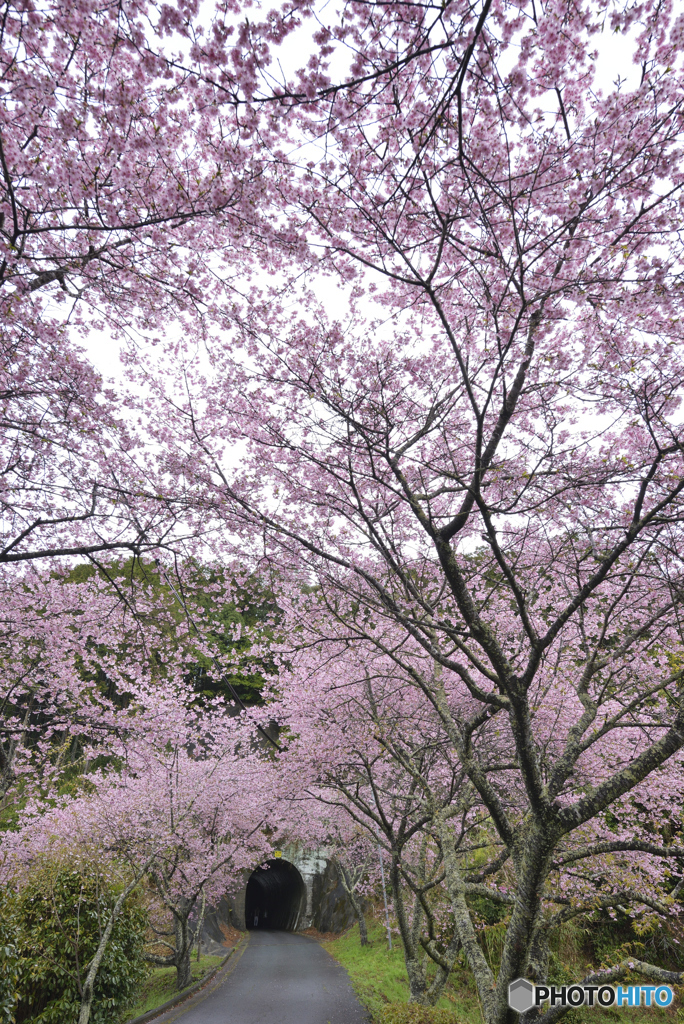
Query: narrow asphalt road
278,978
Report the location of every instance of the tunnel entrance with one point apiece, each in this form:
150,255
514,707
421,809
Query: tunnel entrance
275,897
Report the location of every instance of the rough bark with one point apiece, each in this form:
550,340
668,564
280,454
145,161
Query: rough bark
360,917
184,941
198,932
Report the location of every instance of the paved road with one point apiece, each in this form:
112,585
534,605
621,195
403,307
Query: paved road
278,978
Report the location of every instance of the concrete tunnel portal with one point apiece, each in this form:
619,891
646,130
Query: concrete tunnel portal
275,897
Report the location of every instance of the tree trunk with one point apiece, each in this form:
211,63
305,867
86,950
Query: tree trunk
418,989
414,958
525,921
184,940
483,974
349,886
200,923
360,917
183,969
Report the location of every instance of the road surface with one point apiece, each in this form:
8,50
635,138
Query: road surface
278,978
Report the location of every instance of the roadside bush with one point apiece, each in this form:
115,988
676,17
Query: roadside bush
9,966
411,1013
61,913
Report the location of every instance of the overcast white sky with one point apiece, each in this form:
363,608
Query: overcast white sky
615,60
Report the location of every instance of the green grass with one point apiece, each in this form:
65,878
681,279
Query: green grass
379,977
160,984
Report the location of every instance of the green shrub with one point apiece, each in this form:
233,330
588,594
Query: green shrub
411,1013
9,966
60,916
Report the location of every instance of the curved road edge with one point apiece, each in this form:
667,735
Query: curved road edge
217,974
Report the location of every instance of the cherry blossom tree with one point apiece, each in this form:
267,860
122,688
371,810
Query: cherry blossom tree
70,651
52,648
212,811
364,742
477,468
127,180
95,701
186,809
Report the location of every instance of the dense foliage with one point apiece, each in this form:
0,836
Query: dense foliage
9,967
60,915
233,620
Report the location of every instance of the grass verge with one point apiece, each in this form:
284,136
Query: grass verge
160,984
379,979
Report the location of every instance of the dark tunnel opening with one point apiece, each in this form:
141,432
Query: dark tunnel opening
275,897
